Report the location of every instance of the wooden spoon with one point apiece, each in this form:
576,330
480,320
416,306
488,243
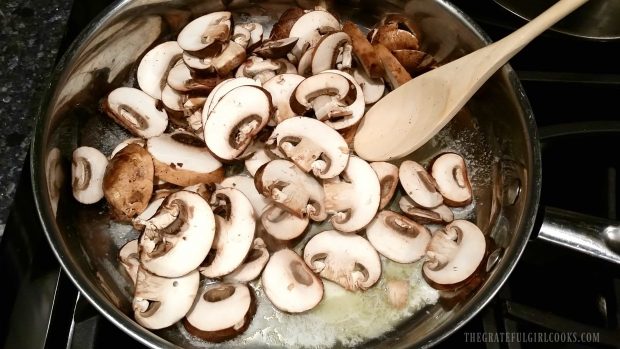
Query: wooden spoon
409,116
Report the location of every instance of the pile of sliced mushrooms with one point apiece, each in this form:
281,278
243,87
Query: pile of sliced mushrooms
284,108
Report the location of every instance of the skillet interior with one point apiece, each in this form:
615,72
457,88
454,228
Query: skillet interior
495,133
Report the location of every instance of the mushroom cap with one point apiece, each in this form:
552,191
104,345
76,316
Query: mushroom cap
159,302
311,145
346,259
236,119
252,265
388,180
155,65
326,51
205,31
136,111
419,185
178,238
357,108
129,258
234,216
373,89
281,88
397,237
450,174
289,284
439,214
221,312
354,201
282,27
246,185
222,89
275,48
308,29
291,189
394,38
454,253
88,167
182,159
281,224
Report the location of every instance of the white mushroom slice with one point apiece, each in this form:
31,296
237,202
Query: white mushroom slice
155,65
388,179
454,253
234,218
281,88
182,159
291,189
309,28
262,70
327,50
159,302
241,35
373,89
419,185
177,239
346,259
276,48
128,256
281,224
136,111
289,284
201,33
397,237
439,214
222,89
222,64
354,199
88,167
222,312
450,174
252,265
260,157
311,145
148,213
173,99
180,78
356,108
256,34
246,185
236,119
304,68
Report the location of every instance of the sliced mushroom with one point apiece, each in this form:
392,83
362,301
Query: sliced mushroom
282,225
304,67
256,34
260,157
281,88
365,54
450,174
252,265
439,214
355,109
129,258
311,145
204,190
221,312
128,181
291,189
155,65
394,38
87,169
222,89
454,253
309,28
416,62
395,74
181,79
159,302
262,70
177,239
289,284
182,159
373,89
327,50
204,32
234,216
148,213
329,94
236,119
222,63
353,198
246,185
388,179
241,35
419,185
136,111
397,237
282,28
173,99
276,48
346,259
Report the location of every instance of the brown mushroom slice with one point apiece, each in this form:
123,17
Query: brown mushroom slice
128,181
353,198
182,159
327,50
221,312
454,253
372,89
438,215
311,145
395,74
177,239
160,302
276,48
309,28
419,185
236,119
289,284
234,216
397,237
136,111
450,173
394,38
256,34
222,89
88,167
246,185
282,225
281,88
129,258
363,50
357,107
414,61
388,180
252,265
329,94
155,65
346,259
205,31
222,64
282,27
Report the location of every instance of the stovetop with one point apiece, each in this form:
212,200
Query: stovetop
554,295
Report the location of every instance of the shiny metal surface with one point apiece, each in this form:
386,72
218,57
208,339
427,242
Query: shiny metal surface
502,152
